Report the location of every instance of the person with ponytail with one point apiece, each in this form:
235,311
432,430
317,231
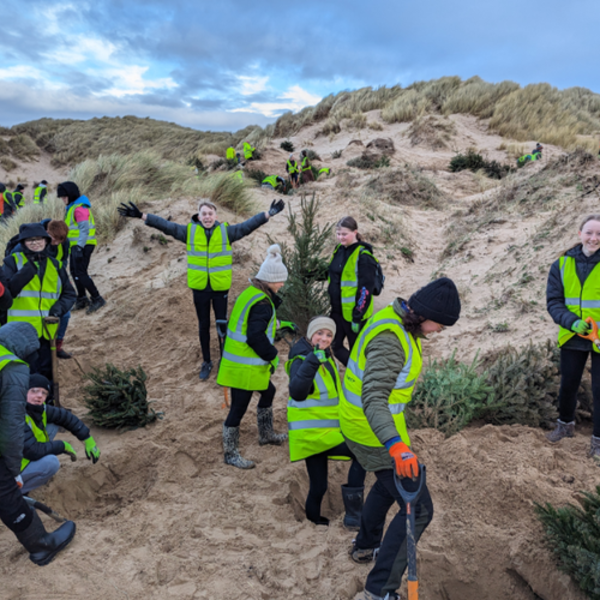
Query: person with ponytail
572,297
351,275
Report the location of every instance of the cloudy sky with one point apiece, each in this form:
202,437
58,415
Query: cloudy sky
224,64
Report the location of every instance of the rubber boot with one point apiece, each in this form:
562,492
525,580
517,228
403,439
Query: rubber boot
60,353
595,449
562,430
231,449
353,503
266,435
43,546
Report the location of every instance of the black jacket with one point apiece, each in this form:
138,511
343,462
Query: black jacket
234,232
18,279
302,372
20,339
367,268
258,321
555,295
34,450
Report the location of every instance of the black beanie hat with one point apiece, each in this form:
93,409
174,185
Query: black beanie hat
20,187
39,381
29,230
437,301
2,187
68,189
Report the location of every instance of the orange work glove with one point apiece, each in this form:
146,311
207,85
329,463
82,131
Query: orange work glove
406,461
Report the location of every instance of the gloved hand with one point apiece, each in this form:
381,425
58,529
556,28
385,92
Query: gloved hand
406,461
580,326
320,354
91,450
274,364
276,207
130,210
19,481
77,252
355,327
289,325
70,451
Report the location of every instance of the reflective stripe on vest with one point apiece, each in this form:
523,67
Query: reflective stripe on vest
354,423
37,298
313,424
292,167
19,199
7,357
583,302
41,435
37,194
304,165
240,366
208,260
73,235
349,284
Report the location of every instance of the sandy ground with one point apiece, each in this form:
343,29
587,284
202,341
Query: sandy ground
160,516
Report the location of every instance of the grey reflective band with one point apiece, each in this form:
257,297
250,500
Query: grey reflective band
210,254
192,267
34,294
240,323
8,357
19,261
28,313
562,270
351,397
313,403
348,284
238,337
314,424
397,409
349,300
222,268
590,304
245,360
572,301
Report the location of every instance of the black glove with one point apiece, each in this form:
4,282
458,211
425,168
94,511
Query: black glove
276,207
130,211
77,252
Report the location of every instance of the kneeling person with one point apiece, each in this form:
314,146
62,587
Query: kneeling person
40,462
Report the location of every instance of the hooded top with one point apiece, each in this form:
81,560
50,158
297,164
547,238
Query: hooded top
68,189
29,230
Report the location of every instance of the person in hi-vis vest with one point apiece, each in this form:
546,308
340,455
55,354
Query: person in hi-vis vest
40,192
314,424
572,297
250,357
377,388
209,260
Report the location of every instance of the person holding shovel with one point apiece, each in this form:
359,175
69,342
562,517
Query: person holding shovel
40,288
209,259
313,421
384,365
573,297
40,462
250,358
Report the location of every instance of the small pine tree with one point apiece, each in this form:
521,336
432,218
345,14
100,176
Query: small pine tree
305,292
118,399
573,535
287,145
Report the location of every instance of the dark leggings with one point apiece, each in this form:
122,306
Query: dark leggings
240,399
79,271
572,363
14,512
202,300
343,330
316,465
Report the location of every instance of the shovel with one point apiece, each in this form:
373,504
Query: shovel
221,332
45,509
55,386
410,499
593,334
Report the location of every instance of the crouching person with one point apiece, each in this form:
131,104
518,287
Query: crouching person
250,358
40,462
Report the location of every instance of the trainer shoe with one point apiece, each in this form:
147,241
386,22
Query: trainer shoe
95,304
363,555
205,370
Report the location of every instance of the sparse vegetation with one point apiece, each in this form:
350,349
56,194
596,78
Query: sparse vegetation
368,160
432,131
287,146
475,162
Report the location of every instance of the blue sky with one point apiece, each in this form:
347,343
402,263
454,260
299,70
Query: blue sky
224,64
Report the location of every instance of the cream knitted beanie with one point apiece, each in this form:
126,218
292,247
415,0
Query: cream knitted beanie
273,270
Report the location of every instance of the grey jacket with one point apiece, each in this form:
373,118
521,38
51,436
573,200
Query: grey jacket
20,339
385,359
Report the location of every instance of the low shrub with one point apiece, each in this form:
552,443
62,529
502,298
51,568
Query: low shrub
475,162
255,174
431,131
23,147
287,145
367,160
7,164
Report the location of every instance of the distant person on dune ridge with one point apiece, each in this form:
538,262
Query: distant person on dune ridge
572,296
209,258
82,242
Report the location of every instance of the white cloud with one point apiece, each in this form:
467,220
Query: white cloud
252,85
294,98
20,72
129,80
81,49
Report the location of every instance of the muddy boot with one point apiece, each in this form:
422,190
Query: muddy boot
266,435
81,303
231,448
353,503
595,449
43,546
562,430
60,353
363,555
366,595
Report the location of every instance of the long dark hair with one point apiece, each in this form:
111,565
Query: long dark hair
351,224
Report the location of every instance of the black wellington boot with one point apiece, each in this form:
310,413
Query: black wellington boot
353,503
43,546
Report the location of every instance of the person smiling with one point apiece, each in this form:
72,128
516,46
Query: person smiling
572,296
209,258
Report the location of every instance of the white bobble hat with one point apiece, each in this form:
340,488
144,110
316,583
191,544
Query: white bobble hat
273,270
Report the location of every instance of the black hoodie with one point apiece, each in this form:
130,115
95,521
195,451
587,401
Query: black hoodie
302,372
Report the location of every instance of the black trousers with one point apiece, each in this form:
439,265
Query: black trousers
385,577
79,272
572,363
14,512
202,302
343,330
317,467
240,399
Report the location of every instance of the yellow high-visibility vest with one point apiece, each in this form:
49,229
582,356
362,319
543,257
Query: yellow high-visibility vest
208,260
